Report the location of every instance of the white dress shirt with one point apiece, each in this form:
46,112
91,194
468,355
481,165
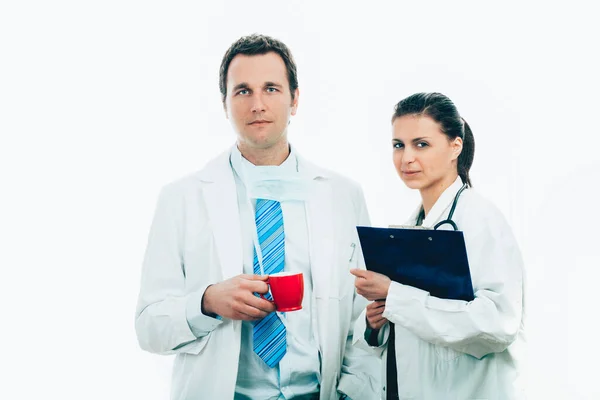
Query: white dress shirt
298,371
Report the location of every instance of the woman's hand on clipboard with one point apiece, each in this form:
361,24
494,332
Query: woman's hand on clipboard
371,285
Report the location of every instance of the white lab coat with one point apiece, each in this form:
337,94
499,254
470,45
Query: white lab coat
195,241
453,349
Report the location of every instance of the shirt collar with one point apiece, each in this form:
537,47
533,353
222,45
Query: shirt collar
238,162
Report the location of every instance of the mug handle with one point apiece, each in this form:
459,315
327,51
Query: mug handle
262,296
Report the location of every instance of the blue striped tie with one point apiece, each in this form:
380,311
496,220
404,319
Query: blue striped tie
269,333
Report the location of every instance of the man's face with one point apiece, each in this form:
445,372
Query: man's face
259,103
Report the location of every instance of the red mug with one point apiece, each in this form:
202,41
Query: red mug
287,289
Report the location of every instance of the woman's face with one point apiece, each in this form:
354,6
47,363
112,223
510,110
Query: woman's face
424,156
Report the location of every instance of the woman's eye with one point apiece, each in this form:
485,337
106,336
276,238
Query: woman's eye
422,144
398,145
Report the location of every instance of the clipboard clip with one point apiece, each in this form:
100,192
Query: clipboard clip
449,221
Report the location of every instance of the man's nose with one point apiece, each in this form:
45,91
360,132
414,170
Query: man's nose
258,104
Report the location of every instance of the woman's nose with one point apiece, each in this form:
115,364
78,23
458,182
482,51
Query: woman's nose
408,156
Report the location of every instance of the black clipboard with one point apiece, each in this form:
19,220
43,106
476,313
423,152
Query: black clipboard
432,260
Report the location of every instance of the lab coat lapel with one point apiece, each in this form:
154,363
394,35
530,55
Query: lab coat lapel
322,238
319,213
441,208
220,195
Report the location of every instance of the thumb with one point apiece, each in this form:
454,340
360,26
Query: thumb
359,273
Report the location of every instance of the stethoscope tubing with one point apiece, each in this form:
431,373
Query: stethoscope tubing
449,219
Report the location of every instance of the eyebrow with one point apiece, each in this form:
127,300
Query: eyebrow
414,140
239,86
245,85
272,84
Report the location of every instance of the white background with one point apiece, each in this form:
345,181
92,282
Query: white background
103,102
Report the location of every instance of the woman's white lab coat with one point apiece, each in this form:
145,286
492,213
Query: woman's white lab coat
453,349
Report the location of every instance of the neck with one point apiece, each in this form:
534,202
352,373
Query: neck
274,155
432,193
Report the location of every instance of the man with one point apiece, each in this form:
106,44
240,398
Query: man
208,247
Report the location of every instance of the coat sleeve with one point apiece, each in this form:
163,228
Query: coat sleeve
489,323
361,369
163,306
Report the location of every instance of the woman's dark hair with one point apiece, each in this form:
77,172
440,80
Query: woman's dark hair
257,45
443,111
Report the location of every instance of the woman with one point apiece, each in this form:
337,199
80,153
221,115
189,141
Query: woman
439,348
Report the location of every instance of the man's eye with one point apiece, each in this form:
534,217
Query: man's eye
271,89
243,92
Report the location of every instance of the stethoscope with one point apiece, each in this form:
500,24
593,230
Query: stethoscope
449,219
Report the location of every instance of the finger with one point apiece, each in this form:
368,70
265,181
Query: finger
375,309
376,304
360,283
367,294
376,323
374,314
256,286
359,273
258,277
259,303
365,284
375,318
249,312
380,324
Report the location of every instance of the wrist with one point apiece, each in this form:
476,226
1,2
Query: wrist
387,289
205,305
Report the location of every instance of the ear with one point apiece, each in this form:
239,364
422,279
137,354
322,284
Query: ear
457,146
295,101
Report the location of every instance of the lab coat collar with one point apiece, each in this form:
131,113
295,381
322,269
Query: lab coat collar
216,170
311,169
440,209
